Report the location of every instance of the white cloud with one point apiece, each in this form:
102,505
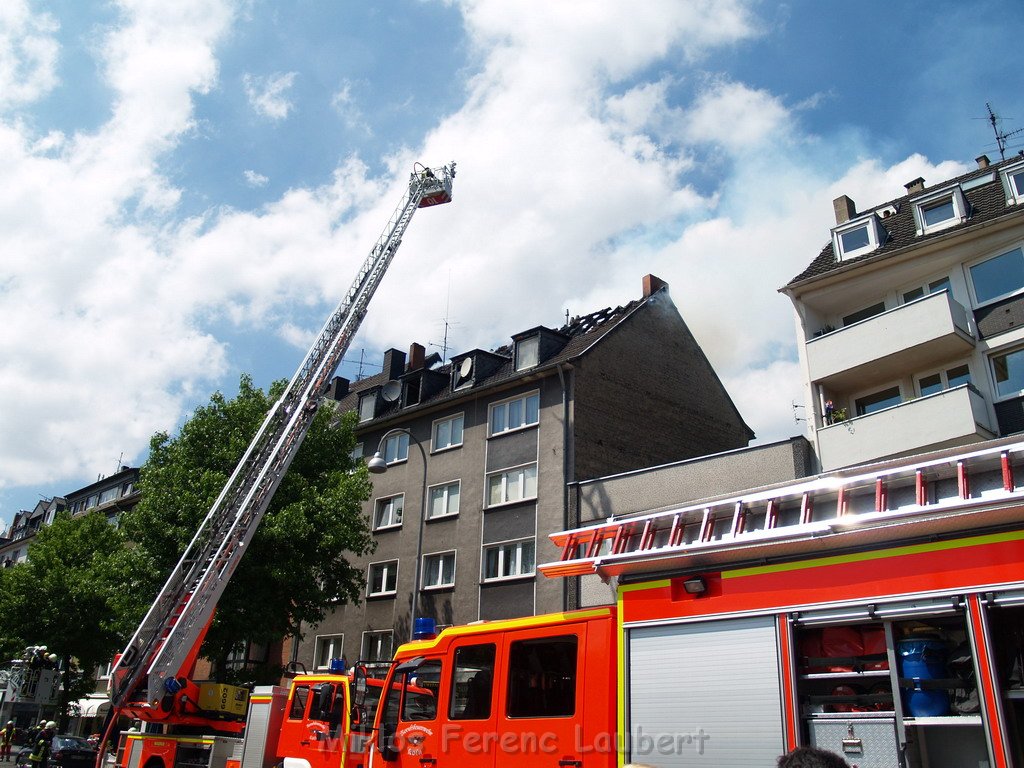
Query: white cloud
254,179
28,53
345,105
269,95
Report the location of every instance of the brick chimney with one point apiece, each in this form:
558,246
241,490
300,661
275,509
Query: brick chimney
652,285
416,352
915,186
982,161
338,388
394,364
845,209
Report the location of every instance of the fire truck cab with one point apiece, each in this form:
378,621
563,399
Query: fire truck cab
493,694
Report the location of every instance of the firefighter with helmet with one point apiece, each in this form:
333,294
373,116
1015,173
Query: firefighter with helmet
6,739
41,746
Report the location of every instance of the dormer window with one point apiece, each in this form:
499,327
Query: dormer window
858,237
1013,183
527,353
367,406
940,210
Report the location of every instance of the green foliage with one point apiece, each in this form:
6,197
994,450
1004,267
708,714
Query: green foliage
66,596
296,566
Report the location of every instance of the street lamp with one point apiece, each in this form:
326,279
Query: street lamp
378,466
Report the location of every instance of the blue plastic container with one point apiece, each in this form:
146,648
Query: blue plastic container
923,658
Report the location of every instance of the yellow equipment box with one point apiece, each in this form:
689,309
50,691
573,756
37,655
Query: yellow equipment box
229,699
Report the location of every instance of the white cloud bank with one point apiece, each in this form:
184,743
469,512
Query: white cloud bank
573,184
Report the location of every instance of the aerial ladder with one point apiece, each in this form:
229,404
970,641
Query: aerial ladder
149,679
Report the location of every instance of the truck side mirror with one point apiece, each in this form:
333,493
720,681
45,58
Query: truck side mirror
359,683
325,700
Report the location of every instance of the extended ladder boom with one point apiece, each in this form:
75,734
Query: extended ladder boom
168,635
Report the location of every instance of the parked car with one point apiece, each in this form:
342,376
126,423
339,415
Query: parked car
65,752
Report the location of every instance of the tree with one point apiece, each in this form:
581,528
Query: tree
69,595
297,563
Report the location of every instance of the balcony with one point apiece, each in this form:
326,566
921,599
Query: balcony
914,336
952,417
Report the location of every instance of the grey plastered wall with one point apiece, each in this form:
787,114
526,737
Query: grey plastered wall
685,482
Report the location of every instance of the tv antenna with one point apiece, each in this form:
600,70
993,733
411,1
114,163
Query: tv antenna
1001,135
447,321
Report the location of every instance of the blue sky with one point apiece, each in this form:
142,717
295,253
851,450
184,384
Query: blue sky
188,187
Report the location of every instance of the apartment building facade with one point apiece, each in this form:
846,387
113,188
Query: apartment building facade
478,453
910,321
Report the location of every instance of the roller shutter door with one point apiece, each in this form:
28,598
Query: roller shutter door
705,694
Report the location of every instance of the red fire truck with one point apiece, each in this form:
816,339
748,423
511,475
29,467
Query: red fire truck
197,725
877,612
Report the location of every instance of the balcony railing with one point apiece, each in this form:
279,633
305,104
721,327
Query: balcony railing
956,416
914,336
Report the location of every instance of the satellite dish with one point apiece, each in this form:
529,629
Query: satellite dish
466,368
392,391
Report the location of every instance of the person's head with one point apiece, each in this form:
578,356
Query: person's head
42,723
810,757
50,725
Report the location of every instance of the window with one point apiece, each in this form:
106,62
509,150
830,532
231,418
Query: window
936,382
858,237
356,453
542,677
940,210
389,512
509,561
999,276
377,646
864,314
439,570
514,414
396,448
367,406
472,683
299,699
92,501
328,647
527,353
512,485
942,284
108,495
447,433
383,579
1013,183
1009,373
877,401
443,501
420,702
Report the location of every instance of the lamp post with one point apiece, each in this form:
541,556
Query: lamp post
378,466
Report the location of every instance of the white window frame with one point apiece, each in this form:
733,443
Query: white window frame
996,396
380,503
1014,196
374,636
446,498
370,397
943,374
335,645
531,344
356,454
877,236
389,568
970,278
874,391
515,547
435,446
926,289
505,475
427,587
506,404
936,197
400,441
